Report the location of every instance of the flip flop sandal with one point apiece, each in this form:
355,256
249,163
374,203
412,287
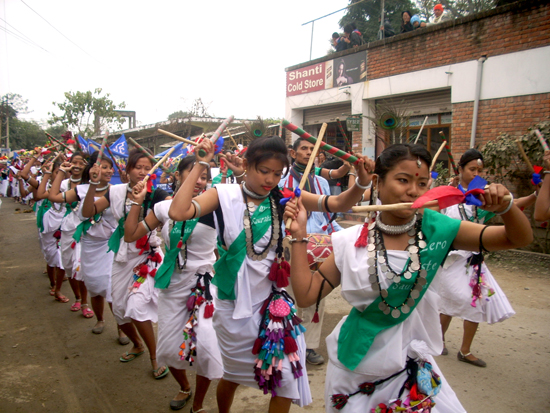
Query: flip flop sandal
52,291
196,411
61,298
76,306
180,404
86,312
161,375
133,356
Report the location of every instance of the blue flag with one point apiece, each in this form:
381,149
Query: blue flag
83,144
120,147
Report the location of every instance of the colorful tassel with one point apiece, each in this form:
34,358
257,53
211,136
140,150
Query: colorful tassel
315,318
209,310
362,240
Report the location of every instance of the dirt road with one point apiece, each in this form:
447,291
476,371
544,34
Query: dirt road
51,362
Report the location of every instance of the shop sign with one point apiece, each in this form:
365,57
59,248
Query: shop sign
305,80
353,123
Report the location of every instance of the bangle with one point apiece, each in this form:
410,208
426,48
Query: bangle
224,176
93,183
363,187
131,202
64,197
292,240
146,226
203,163
330,174
535,193
47,172
508,207
546,172
198,209
352,173
320,202
241,175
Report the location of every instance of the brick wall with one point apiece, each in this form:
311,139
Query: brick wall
512,115
519,26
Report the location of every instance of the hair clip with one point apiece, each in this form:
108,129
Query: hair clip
479,162
418,163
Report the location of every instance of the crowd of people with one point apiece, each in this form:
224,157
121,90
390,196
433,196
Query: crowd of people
210,265
352,37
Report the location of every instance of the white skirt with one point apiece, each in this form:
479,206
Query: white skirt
96,266
4,187
52,254
70,257
173,315
456,294
343,381
141,305
236,339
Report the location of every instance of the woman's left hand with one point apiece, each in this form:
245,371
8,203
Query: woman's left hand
493,198
296,211
365,170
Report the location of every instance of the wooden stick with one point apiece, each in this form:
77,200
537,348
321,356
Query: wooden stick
524,156
162,160
347,143
434,160
102,148
542,140
420,131
310,163
451,159
57,142
176,137
217,134
281,129
402,206
231,136
114,161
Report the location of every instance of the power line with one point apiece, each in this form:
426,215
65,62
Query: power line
24,38
59,31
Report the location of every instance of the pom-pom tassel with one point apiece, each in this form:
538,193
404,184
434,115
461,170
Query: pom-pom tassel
273,271
257,346
315,318
339,401
191,302
209,310
362,240
282,278
290,345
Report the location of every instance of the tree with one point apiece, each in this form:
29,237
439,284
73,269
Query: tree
23,134
457,8
87,113
198,110
366,16
180,114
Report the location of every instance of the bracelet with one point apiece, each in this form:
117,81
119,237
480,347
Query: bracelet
241,175
330,174
508,207
93,183
64,195
352,173
134,203
47,172
203,163
198,209
146,226
292,240
535,193
363,187
546,172
224,176
320,202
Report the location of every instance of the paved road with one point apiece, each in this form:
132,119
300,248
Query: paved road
51,362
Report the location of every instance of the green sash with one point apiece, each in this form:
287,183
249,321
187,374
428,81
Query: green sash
230,262
42,209
84,226
218,178
70,207
360,328
164,273
114,241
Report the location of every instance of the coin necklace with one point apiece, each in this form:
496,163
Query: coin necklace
247,223
182,245
377,254
464,215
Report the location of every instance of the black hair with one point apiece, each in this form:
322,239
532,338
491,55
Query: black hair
394,154
262,149
297,142
134,157
410,16
91,162
348,28
77,153
468,156
353,26
335,35
187,163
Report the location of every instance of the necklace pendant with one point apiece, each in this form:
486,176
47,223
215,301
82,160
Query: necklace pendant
421,281
371,247
422,244
415,266
372,270
412,232
415,294
407,275
423,273
405,309
395,313
382,259
386,311
410,302
384,293
382,306
389,275
371,261
373,279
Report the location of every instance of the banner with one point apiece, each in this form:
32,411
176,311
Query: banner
120,147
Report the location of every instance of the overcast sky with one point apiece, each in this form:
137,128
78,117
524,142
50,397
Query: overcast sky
158,56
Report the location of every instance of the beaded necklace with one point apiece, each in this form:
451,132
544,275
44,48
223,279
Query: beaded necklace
247,220
377,254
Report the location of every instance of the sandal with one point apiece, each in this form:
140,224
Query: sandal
180,404
76,306
52,290
86,312
478,362
132,356
196,411
161,375
61,298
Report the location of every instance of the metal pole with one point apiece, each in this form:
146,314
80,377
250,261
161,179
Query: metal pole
382,20
311,44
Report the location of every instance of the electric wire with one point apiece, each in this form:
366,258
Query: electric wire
19,35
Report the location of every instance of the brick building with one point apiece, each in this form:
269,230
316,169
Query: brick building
497,61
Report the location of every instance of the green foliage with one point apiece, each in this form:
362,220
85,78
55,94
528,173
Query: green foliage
366,15
457,8
442,174
180,114
80,109
23,134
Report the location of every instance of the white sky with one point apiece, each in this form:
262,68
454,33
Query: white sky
158,56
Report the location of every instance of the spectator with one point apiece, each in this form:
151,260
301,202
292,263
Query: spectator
352,36
406,25
338,43
416,23
439,15
388,30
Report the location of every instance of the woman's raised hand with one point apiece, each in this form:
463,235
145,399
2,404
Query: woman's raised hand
139,191
493,198
95,172
207,146
365,169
